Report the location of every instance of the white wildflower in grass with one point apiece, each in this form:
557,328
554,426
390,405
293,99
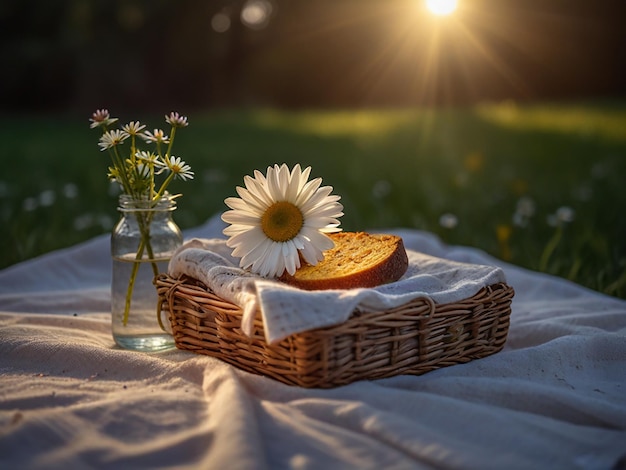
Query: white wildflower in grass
526,206
280,217
563,215
559,219
448,221
112,139
524,210
70,191
47,198
101,118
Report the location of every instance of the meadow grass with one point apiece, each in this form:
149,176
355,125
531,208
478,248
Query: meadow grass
540,186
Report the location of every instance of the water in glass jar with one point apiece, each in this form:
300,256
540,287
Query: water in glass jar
141,331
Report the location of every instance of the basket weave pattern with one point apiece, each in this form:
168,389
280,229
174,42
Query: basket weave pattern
414,338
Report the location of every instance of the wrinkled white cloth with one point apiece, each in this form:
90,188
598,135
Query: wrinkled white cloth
286,310
554,398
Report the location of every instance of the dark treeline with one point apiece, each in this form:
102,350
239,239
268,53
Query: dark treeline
77,54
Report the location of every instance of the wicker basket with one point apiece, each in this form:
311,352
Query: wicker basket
414,338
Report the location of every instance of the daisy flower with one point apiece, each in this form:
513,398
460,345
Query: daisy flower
133,128
280,217
149,157
176,120
178,167
112,138
101,118
157,136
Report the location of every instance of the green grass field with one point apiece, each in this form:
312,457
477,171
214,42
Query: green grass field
492,177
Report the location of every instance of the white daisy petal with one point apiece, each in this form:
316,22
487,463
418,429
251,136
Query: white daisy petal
242,205
293,187
273,184
252,200
258,189
256,255
332,209
246,242
233,230
238,217
316,198
312,254
307,190
290,255
271,262
284,181
304,177
319,223
318,239
332,228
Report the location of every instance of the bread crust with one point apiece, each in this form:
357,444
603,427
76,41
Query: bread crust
358,259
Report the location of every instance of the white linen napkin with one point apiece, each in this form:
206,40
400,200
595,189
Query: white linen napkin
286,310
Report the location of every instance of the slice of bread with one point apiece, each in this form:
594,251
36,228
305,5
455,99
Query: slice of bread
358,259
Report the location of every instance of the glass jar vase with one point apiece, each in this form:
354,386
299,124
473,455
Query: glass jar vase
142,243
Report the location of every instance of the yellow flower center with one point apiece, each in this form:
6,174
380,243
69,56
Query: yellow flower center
282,221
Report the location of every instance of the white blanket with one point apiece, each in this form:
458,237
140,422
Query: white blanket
554,398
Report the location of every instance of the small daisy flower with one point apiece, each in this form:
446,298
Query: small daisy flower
101,118
448,221
157,136
176,120
525,206
178,167
149,157
524,211
133,128
563,215
112,138
279,217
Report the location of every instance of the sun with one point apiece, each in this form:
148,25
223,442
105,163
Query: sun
441,7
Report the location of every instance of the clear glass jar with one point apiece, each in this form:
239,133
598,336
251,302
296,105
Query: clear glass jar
142,244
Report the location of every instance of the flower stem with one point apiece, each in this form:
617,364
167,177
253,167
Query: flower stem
144,221
168,152
161,191
131,282
549,249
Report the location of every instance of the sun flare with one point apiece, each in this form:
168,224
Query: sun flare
441,7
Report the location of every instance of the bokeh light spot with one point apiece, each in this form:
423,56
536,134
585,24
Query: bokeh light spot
256,13
220,22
